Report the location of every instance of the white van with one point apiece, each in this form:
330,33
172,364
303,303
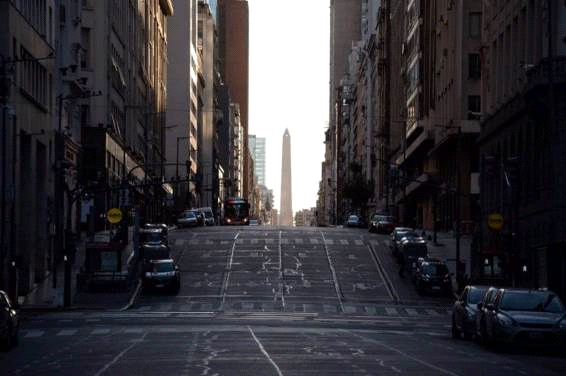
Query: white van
208,215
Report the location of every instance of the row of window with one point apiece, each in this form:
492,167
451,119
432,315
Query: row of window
34,78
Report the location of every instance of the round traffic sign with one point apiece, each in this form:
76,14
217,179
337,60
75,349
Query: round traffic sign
495,221
114,215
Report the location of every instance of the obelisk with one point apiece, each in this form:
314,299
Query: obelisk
286,204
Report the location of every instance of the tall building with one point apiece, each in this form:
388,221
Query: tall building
286,203
345,28
233,21
182,100
257,149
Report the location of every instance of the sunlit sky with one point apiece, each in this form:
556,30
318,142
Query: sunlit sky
288,88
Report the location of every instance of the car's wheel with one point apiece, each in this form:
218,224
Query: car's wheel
455,331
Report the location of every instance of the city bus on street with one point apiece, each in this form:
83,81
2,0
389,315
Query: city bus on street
236,211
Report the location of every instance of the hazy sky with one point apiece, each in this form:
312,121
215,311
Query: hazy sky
289,74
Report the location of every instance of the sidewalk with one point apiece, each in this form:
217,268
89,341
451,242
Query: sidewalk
44,297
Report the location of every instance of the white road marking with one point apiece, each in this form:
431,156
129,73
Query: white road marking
281,287
391,311
179,242
314,241
344,242
299,241
100,331
269,241
349,308
224,242
264,352
411,311
166,307
284,241
432,312
117,357
334,277
329,308
229,267
34,334
359,242
254,241
247,306
67,332
133,330
425,363
329,241
370,309
144,308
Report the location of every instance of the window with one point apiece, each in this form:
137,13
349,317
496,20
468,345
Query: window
474,107
475,24
474,66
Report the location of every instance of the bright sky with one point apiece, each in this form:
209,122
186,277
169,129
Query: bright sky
288,88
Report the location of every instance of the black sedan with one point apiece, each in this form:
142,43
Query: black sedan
465,311
161,274
9,323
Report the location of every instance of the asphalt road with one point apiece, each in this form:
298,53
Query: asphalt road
269,301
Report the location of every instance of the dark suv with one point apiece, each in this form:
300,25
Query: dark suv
161,274
432,275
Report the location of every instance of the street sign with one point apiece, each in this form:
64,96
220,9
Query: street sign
114,215
495,221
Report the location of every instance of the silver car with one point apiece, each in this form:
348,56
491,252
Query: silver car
525,316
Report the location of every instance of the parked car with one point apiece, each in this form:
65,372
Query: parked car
154,251
525,316
381,224
207,215
9,323
354,221
465,310
396,236
161,274
432,275
187,219
411,250
153,236
488,298
162,226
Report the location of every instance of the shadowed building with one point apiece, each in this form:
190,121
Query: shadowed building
286,205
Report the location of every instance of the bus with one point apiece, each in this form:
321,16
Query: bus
236,211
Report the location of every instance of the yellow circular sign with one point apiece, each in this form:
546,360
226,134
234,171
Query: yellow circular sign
495,221
114,215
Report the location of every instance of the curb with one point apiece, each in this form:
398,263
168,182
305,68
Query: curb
134,297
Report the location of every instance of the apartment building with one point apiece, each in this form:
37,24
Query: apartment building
27,78
182,102
521,145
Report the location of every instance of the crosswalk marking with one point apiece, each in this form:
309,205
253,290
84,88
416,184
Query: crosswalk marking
299,241
247,306
349,309
411,311
432,312
34,333
343,242
359,242
67,332
133,330
100,331
179,242
144,308
329,308
224,242
391,311
284,241
166,307
314,241
370,309
185,307
329,241
269,241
